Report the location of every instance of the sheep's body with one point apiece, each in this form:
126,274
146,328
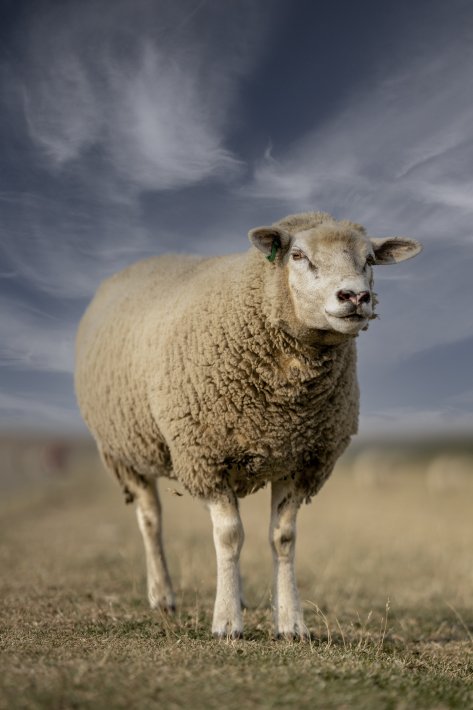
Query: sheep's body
228,373
178,361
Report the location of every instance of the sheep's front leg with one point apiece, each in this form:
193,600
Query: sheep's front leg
288,617
228,539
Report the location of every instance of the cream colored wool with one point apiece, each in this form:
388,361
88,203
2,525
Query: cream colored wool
229,373
183,371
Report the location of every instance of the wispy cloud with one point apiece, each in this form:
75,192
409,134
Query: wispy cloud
397,158
18,411
118,104
153,99
414,421
62,112
397,155
35,341
64,245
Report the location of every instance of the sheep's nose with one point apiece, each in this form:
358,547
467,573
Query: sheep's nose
355,298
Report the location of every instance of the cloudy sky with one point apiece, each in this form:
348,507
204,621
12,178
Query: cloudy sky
135,127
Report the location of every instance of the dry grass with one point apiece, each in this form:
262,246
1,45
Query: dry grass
385,561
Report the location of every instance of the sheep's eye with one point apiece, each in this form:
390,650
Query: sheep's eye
369,260
298,255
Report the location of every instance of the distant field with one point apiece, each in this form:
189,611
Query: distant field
384,559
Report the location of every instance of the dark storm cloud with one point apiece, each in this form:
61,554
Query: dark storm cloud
102,104
132,128
395,154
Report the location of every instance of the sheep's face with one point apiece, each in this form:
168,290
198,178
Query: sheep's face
329,271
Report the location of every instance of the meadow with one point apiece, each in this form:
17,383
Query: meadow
384,560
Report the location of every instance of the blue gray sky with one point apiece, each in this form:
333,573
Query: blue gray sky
134,127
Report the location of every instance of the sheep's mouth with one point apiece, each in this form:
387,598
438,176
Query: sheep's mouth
353,317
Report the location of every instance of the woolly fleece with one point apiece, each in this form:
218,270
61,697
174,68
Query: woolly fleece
186,369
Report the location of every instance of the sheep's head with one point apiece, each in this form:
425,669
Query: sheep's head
328,269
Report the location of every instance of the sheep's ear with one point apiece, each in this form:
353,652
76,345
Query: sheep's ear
272,241
394,249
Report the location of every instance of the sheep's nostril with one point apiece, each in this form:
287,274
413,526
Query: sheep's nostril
363,297
343,295
357,299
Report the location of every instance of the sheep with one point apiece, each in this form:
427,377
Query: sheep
228,373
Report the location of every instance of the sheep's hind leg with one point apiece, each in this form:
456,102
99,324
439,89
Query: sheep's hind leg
149,516
288,616
145,493
228,539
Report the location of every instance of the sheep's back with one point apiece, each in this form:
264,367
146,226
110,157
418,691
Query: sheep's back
177,352
111,358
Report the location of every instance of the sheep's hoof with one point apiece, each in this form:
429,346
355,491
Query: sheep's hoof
293,635
227,636
164,607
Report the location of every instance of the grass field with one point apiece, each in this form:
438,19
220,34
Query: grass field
385,564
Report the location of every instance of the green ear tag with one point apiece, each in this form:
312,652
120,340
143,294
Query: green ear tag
274,247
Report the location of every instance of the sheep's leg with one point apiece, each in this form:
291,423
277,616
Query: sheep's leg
228,538
144,492
243,602
288,616
149,516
